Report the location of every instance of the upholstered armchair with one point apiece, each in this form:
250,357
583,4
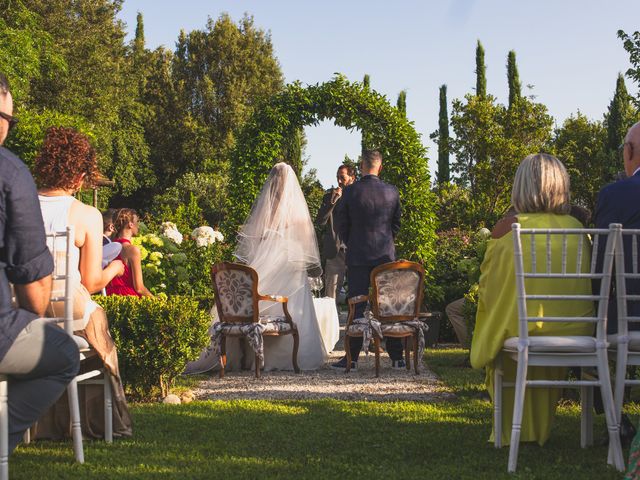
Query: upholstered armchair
395,300
236,296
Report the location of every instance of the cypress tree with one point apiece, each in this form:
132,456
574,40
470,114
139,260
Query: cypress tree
443,138
481,71
138,43
515,87
365,142
402,103
619,117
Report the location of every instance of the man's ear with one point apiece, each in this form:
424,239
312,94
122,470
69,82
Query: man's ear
379,169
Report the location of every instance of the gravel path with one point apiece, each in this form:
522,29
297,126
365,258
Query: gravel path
392,385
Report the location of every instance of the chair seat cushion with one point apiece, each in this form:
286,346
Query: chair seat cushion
81,342
397,328
634,340
568,344
271,325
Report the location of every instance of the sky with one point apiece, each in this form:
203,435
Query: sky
567,50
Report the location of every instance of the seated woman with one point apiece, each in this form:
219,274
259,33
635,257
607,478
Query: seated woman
540,198
66,162
131,282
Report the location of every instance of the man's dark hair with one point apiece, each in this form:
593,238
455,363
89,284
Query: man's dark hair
4,84
350,170
371,158
108,216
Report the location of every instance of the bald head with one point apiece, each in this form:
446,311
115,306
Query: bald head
631,151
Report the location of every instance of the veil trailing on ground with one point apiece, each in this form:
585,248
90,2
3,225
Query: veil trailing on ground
279,226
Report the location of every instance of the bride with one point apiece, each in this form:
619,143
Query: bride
278,241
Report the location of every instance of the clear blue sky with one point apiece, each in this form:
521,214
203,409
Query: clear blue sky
567,49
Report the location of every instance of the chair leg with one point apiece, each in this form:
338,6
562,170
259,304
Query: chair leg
347,351
4,428
223,354
615,447
376,342
108,408
497,402
620,380
416,360
74,411
518,404
586,417
296,344
257,365
406,352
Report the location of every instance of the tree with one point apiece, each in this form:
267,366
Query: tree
366,141
515,88
619,117
401,104
631,44
579,145
481,72
441,137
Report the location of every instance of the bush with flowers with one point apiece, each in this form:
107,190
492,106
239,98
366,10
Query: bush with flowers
178,263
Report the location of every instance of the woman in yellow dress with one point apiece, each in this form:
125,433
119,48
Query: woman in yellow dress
540,198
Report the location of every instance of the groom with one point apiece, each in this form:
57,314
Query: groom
368,222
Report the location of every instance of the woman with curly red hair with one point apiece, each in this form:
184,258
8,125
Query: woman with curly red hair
66,162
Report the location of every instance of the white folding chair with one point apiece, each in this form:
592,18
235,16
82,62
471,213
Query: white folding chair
59,244
559,351
625,343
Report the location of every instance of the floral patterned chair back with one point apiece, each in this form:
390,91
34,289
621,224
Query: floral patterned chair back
236,292
397,291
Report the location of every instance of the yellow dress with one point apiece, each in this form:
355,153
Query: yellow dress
497,320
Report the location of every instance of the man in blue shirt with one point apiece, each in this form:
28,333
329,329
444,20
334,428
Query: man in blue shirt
39,358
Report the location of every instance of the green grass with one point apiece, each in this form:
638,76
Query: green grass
326,439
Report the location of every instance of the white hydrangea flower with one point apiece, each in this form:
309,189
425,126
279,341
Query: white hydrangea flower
218,235
203,236
173,235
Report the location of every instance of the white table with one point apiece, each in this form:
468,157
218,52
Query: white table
327,316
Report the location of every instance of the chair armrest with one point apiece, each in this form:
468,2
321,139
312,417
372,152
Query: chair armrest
429,314
273,298
358,299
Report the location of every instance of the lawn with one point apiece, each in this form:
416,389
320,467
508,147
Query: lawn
323,439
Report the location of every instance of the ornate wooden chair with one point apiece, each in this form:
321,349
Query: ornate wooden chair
395,300
236,295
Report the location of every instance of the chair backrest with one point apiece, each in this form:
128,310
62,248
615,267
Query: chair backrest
60,244
397,290
235,287
627,258
553,266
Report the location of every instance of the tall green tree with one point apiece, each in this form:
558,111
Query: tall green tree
631,44
579,143
619,116
515,88
366,141
443,175
401,104
481,72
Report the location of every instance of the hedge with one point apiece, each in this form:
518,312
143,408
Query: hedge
155,337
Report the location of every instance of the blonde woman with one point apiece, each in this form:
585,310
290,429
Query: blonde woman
540,199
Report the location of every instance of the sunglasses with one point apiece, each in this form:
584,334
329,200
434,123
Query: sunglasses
12,120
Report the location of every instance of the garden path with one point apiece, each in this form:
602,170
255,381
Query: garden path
392,385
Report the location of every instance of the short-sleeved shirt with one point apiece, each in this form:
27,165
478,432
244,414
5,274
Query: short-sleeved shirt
24,256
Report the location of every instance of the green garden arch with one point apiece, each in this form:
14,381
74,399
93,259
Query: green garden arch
350,105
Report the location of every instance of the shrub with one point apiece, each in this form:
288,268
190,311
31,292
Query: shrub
155,337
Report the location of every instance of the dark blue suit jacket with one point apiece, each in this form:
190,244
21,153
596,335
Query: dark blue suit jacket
368,221
619,202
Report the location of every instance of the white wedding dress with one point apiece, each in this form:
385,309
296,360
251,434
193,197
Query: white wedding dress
279,242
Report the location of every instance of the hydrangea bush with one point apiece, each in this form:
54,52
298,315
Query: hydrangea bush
179,263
